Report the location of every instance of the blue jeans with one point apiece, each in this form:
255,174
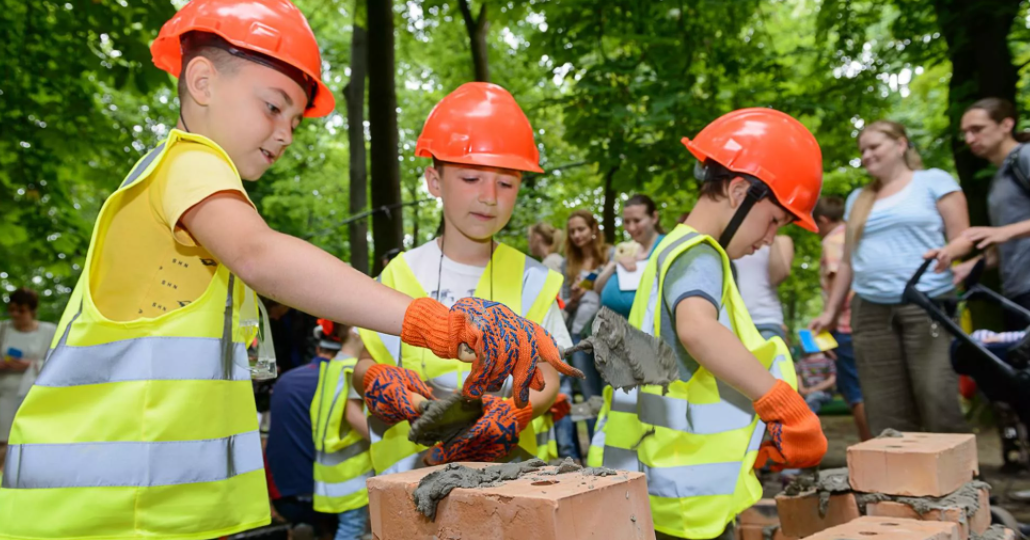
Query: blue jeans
352,524
565,430
847,371
592,385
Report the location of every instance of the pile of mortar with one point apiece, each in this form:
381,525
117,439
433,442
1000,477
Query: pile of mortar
834,481
438,484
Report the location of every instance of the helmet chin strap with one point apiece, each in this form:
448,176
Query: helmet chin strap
755,193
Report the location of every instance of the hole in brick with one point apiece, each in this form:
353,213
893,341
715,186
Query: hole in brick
544,482
867,533
889,524
894,446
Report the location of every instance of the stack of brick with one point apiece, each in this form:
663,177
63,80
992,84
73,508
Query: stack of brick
540,505
896,481
760,522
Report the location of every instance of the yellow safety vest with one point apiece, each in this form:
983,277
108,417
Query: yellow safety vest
521,283
342,463
139,429
697,443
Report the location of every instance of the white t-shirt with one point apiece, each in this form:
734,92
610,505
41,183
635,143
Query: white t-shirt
456,281
26,345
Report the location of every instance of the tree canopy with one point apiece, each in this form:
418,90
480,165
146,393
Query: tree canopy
610,87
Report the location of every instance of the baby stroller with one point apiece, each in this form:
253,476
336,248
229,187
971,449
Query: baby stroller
1001,370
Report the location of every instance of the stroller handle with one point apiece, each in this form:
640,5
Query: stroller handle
912,295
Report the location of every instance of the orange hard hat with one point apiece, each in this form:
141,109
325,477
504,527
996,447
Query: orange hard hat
772,147
275,29
480,124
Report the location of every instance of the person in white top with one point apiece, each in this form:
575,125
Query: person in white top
758,276
544,243
24,342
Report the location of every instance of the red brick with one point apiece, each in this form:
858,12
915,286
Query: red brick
799,514
763,514
757,532
880,528
918,464
570,507
977,523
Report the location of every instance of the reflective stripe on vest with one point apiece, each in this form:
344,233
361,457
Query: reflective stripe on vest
522,284
131,464
342,461
143,359
113,432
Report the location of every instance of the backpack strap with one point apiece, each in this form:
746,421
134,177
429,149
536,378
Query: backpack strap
1019,174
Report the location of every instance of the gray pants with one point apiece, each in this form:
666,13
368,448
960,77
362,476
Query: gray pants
904,370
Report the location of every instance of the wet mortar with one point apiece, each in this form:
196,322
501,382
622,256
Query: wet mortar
627,357
435,486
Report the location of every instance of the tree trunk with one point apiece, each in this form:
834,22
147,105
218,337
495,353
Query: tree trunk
388,226
355,95
477,30
608,216
976,32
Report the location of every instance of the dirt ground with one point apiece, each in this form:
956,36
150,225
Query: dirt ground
840,433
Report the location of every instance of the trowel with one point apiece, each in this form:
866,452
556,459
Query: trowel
443,420
627,357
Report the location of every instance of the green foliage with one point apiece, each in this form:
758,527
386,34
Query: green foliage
606,84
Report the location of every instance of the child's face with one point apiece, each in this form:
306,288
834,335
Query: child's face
758,229
477,200
252,114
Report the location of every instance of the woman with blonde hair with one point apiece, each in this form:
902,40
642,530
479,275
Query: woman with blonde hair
904,213
544,243
585,254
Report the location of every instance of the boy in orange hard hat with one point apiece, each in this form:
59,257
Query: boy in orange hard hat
698,442
481,144
143,422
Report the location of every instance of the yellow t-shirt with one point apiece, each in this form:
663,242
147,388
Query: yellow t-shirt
147,264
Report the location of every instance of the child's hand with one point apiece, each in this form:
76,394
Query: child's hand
504,343
797,437
388,389
490,438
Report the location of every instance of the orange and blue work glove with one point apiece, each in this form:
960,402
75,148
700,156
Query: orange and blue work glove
504,343
561,407
797,439
387,391
490,438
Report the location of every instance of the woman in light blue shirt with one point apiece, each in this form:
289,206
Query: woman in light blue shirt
901,215
640,219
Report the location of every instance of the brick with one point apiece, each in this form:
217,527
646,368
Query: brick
917,464
566,507
977,523
799,514
762,514
757,532
881,528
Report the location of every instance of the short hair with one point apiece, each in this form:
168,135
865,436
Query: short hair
208,48
830,207
716,180
25,297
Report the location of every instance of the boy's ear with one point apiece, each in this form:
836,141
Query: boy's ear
433,181
198,76
736,191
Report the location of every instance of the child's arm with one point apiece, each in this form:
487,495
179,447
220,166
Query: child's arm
354,413
718,350
290,270
802,389
825,385
300,275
